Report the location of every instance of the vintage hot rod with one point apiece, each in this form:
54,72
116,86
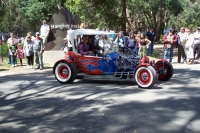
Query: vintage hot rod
112,65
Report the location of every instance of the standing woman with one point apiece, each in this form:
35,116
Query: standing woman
144,44
132,43
137,37
189,47
28,50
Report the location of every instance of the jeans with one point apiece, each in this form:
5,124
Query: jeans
181,52
150,49
13,59
166,54
9,58
38,59
29,60
196,51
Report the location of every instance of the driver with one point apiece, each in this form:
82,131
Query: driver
84,48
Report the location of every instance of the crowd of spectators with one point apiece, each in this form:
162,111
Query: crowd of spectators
141,43
32,47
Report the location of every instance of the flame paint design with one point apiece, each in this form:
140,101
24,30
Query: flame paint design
82,64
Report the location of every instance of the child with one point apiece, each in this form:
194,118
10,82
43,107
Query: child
13,53
20,53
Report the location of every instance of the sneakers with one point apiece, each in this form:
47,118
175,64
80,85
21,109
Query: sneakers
28,67
13,65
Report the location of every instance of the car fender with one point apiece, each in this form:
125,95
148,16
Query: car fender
161,60
140,65
62,60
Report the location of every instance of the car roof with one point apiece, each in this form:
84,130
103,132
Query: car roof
90,32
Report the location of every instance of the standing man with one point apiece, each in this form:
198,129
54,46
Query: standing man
197,44
170,40
44,33
151,35
10,42
182,37
38,50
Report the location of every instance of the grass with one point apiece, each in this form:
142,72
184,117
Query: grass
156,53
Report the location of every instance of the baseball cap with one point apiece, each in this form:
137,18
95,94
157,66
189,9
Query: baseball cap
198,28
150,27
44,21
37,33
65,38
171,29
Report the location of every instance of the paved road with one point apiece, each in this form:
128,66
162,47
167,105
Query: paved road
35,102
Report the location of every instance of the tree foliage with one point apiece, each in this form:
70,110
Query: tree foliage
26,15
99,13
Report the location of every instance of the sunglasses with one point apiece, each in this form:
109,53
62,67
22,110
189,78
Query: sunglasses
187,31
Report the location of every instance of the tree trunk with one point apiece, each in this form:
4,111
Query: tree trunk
123,18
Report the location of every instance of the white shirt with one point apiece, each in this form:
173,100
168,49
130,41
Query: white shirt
183,36
44,30
106,44
12,41
197,37
190,40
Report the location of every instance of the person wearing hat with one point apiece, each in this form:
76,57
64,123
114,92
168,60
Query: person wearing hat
169,40
44,32
38,51
151,35
197,44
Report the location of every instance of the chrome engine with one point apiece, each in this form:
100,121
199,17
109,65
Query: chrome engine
126,63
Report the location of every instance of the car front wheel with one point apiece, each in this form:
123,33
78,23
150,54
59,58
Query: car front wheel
65,72
145,77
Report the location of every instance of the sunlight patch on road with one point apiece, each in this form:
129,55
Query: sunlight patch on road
194,125
180,119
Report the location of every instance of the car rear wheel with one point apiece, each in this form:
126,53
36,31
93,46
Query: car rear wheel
65,72
145,76
165,70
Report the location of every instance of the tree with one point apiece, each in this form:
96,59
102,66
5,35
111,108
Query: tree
98,13
153,13
26,15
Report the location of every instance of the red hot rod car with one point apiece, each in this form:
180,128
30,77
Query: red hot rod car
112,65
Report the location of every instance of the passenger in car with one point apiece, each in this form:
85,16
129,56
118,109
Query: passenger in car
105,44
84,47
94,48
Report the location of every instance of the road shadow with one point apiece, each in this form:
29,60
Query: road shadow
36,102
4,70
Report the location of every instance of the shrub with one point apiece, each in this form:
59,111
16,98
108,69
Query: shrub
4,49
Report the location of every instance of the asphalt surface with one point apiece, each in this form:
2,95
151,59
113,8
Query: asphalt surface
34,102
